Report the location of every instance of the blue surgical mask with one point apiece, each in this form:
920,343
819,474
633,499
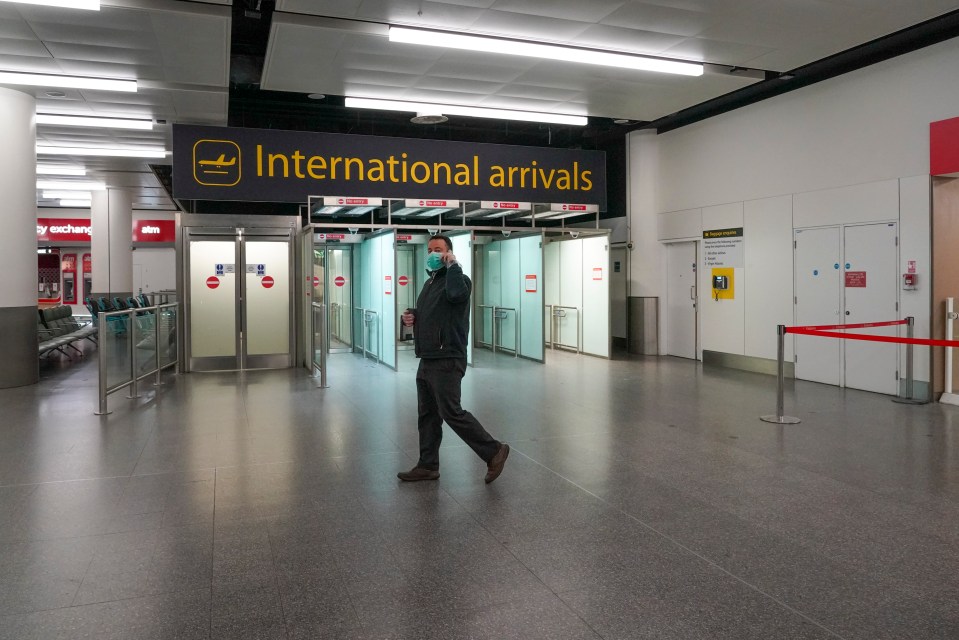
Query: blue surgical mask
434,261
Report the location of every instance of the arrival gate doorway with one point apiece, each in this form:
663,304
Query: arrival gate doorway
238,291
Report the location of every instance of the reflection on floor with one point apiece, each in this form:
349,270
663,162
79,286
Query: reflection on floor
643,499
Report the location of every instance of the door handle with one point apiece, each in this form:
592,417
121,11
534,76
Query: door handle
692,292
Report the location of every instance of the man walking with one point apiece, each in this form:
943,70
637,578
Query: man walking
440,331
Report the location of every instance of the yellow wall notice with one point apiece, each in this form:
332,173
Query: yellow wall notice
730,293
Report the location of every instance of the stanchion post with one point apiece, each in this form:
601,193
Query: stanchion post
134,392
779,418
102,364
323,346
909,372
908,387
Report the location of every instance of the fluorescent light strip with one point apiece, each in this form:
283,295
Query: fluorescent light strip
50,170
545,51
56,195
75,203
91,5
89,121
460,110
71,186
67,82
151,152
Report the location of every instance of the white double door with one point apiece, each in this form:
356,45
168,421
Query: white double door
238,299
847,275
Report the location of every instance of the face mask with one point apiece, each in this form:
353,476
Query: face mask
434,261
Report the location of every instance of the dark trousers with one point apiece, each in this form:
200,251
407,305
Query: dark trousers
438,397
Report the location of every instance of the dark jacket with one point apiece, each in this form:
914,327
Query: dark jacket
442,314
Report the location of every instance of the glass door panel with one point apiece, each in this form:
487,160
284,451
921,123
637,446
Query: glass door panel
339,270
213,303
267,301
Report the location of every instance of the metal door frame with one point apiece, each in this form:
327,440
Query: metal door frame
236,228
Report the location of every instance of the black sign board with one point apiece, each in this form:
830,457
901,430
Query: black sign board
265,165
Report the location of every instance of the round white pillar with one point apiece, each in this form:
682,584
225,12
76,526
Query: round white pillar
18,242
111,216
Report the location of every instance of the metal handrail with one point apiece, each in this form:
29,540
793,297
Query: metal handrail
494,316
559,311
324,345
369,315
103,390
505,314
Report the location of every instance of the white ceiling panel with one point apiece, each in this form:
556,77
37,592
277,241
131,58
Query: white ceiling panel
337,8
576,10
603,36
650,17
195,50
419,12
518,25
719,52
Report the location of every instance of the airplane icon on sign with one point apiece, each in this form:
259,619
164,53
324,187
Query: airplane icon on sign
218,163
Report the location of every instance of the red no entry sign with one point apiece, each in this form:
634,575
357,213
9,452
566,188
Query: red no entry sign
267,282
403,281
339,281
213,282
316,281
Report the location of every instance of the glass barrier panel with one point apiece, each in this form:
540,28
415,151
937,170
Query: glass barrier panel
146,344
317,335
168,336
117,350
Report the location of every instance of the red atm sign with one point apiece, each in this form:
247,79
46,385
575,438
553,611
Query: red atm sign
80,230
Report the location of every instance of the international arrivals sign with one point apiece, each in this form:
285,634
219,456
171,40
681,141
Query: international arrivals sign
265,165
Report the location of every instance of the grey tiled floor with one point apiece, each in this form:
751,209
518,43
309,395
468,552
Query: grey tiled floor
643,499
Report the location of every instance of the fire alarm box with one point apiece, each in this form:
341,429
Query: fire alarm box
910,281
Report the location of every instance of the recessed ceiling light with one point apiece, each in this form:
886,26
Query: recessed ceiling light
132,152
92,5
55,94
92,121
621,121
460,110
79,185
51,170
489,44
316,96
74,195
67,82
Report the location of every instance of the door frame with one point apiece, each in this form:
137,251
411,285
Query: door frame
191,225
665,324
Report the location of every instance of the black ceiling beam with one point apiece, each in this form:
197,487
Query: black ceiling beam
907,40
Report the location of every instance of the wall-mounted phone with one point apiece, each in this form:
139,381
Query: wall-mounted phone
722,283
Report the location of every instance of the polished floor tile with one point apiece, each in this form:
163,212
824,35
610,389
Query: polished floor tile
643,499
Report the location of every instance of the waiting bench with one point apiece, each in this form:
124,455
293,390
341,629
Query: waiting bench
57,330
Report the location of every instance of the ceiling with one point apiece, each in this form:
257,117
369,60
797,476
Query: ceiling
252,64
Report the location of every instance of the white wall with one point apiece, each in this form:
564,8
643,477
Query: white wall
851,149
154,269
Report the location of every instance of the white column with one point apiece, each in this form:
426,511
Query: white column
647,273
18,242
111,216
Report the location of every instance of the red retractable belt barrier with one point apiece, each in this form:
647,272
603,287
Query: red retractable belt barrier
861,325
862,336
826,331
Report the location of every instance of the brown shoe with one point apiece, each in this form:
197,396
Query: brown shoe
495,466
418,473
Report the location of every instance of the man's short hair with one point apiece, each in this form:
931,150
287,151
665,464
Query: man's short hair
446,239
